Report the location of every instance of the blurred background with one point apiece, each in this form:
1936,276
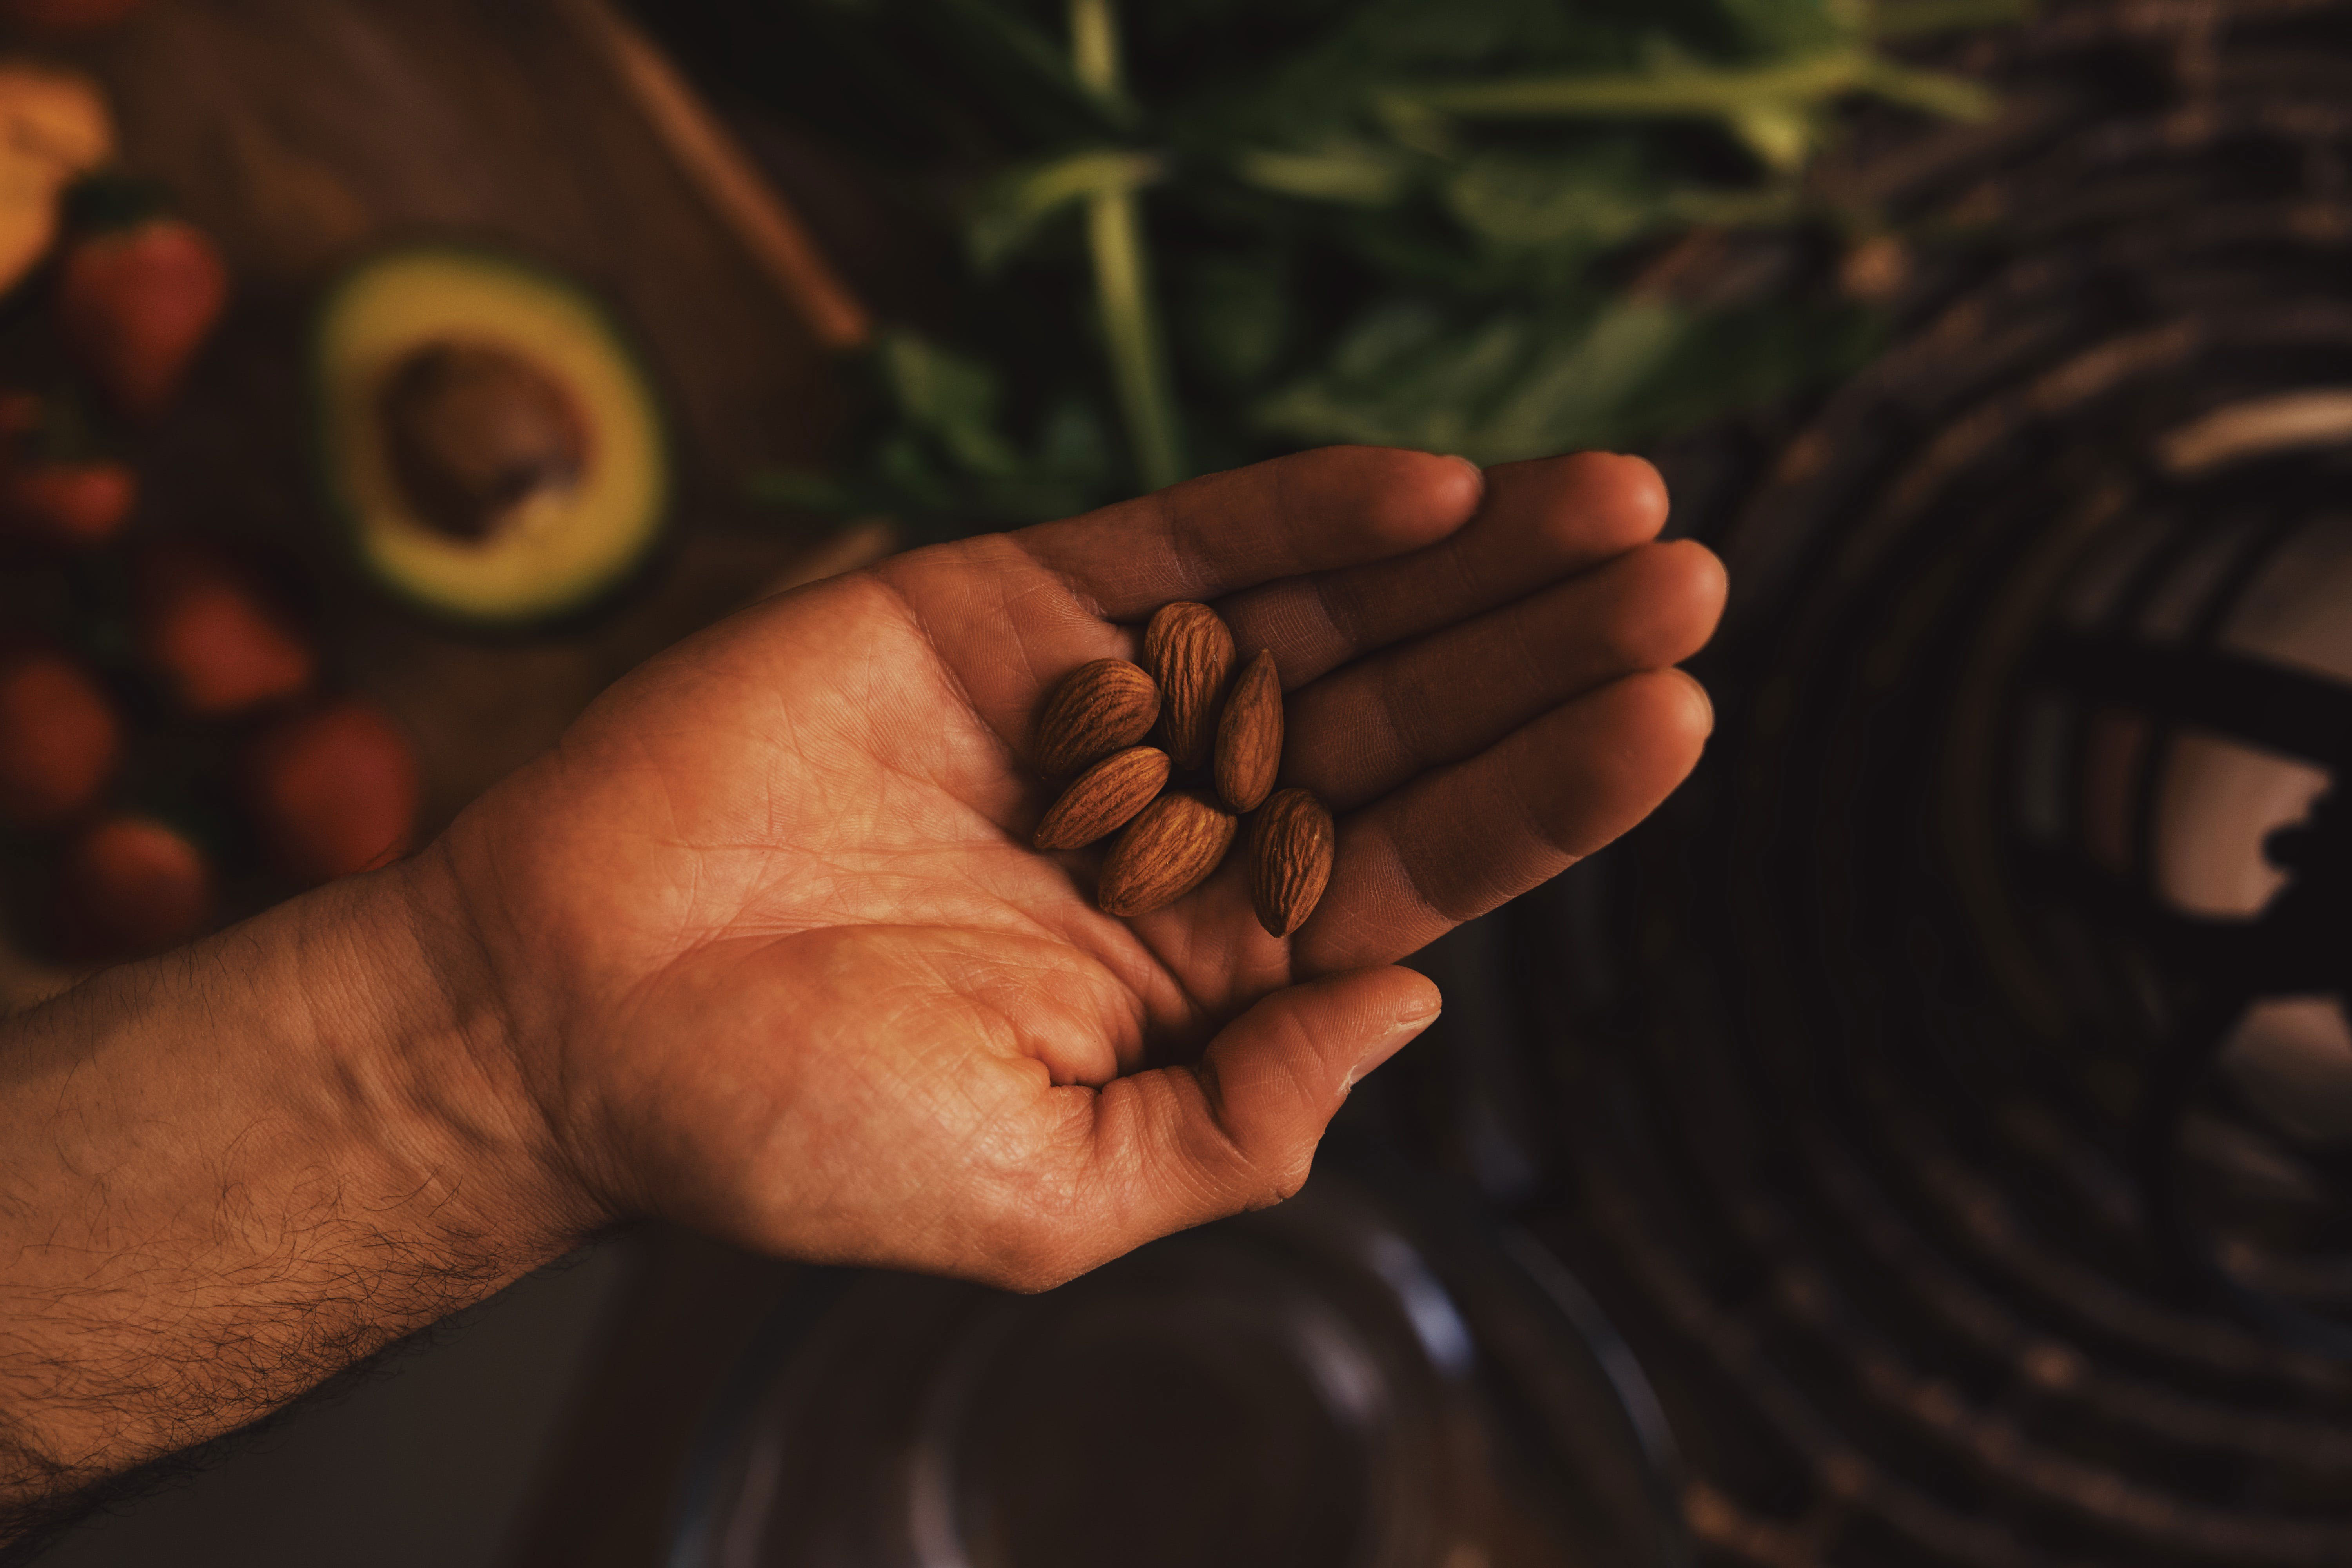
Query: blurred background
1927,1141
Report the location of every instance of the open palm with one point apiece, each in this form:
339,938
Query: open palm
778,961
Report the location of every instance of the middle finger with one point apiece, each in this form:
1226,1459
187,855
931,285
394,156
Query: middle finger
1538,522
1366,729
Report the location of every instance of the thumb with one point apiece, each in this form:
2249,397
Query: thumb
1239,1131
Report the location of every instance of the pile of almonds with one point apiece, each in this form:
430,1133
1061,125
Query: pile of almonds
1224,747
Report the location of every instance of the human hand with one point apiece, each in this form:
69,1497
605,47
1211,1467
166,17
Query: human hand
771,955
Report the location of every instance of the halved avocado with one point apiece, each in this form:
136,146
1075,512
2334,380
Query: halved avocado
493,441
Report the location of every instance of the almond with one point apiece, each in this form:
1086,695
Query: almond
1104,798
1164,854
1098,708
1249,737
1191,652
1291,845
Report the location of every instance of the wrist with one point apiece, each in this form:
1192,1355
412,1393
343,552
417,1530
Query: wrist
435,1061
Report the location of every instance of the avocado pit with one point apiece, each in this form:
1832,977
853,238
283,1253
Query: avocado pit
474,433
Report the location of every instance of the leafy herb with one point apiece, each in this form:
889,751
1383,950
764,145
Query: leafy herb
1248,225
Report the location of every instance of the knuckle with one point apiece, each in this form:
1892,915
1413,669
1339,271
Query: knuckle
1241,1178
1283,1183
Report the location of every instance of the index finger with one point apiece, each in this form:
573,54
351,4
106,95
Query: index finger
1310,511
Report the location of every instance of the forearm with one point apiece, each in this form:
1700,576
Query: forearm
230,1172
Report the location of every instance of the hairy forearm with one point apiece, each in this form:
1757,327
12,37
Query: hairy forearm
230,1172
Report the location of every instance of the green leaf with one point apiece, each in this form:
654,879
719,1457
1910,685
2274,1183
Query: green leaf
1074,445
1374,220
1404,375
1516,200
948,397
1009,211
1572,395
1774,108
1506,388
1577,206
1356,175
1783,136
1238,314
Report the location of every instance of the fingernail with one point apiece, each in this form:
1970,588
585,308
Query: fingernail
1417,1013
1706,697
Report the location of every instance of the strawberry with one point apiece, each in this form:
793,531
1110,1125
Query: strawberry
129,885
55,489
134,305
60,738
210,634
333,791
78,505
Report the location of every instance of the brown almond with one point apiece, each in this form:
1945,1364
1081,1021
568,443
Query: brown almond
1104,798
1249,736
1190,652
1292,843
1099,708
1164,854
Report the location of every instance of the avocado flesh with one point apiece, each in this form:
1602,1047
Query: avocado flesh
493,443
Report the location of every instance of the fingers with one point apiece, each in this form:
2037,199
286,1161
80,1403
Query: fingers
1368,728
1538,522
1457,842
1179,1146
1207,537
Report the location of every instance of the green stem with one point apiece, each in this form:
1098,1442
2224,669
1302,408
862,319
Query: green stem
1130,326
1704,89
1094,44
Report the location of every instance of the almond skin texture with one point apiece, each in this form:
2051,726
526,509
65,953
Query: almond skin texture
1105,797
1291,845
1191,652
1098,708
1164,854
1249,737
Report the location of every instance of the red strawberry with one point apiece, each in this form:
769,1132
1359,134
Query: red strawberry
60,738
333,791
131,885
134,305
211,634
78,505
